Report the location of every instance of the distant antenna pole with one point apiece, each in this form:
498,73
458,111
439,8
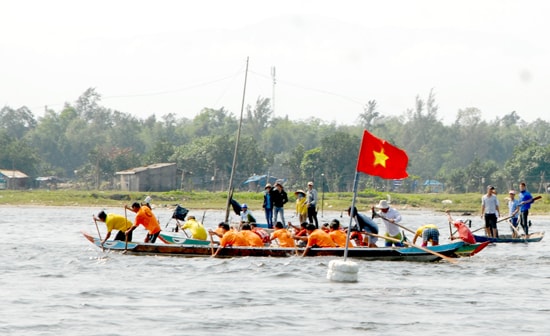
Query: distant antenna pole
273,90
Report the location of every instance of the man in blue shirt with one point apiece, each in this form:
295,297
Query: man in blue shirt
525,200
268,205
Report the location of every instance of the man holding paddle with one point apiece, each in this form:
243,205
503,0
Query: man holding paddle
115,222
145,217
513,208
525,200
390,217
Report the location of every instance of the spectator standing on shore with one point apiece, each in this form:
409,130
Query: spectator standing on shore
311,202
280,198
268,205
301,206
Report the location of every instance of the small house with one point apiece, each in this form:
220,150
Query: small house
155,177
433,186
13,179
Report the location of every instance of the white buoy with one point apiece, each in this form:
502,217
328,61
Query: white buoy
342,271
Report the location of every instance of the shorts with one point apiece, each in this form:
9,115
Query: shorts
151,238
430,234
491,221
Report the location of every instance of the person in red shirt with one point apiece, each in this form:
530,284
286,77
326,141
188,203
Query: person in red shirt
300,234
145,217
264,236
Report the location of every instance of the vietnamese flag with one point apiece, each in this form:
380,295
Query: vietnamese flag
378,157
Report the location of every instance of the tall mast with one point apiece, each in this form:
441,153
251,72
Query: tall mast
233,166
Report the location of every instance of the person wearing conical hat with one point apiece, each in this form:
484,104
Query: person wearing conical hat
301,206
390,216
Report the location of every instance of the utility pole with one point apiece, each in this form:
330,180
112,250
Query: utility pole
273,89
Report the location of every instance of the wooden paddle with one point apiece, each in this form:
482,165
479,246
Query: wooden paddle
498,221
531,200
514,229
442,256
179,225
125,234
98,234
211,244
401,226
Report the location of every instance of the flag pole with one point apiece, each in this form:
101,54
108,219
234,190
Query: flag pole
352,213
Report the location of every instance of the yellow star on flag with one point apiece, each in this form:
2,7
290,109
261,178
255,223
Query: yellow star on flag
380,158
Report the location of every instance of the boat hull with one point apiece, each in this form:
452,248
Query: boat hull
469,250
382,253
532,238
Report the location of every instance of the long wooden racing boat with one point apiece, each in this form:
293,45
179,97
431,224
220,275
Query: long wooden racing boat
183,250
531,238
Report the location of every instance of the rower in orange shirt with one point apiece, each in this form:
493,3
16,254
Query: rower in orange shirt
230,238
252,238
145,217
284,237
317,238
338,236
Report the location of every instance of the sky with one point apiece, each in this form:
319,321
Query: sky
330,57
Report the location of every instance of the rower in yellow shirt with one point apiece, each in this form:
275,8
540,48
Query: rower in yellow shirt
197,229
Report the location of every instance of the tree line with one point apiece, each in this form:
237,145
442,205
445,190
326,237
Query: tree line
86,143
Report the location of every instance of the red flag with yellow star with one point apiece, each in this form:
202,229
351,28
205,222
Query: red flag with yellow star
378,157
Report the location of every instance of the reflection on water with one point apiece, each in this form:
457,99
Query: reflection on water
54,282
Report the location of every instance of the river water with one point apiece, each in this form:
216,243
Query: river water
54,282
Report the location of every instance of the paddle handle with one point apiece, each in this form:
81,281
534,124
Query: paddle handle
442,256
401,226
98,234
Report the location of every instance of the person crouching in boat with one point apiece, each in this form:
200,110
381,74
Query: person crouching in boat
464,232
317,238
246,215
300,234
282,235
264,236
251,238
429,233
230,238
367,225
115,222
145,217
390,216
338,236
197,229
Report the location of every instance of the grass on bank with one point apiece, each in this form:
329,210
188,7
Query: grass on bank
461,203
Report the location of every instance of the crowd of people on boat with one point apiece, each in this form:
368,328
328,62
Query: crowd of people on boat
364,233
